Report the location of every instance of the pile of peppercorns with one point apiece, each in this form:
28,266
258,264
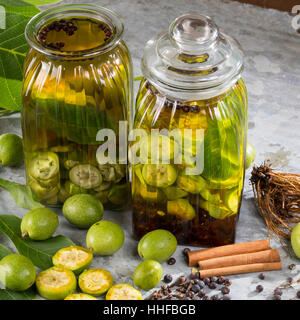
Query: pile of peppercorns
193,288
69,28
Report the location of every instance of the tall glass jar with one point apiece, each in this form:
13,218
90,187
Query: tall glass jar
191,81
77,80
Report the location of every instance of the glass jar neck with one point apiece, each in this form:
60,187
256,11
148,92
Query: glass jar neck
70,11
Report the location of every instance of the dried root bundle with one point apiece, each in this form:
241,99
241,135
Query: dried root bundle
278,199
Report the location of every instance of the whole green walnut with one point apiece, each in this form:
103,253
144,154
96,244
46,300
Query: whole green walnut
39,224
157,245
17,272
11,149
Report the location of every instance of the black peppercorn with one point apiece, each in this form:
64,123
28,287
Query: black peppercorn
259,288
221,280
212,285
194,275
261,276
201,284
201,293
225,290
195,288
227,283
206,281
213,279
168,278
298,294
215,297
277,292
226,297
186,250
171,261
292,266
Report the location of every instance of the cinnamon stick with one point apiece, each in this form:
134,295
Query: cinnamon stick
255,267
228,250
271,255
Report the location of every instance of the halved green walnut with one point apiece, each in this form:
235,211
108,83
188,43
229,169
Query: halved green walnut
215,211
85,176
44,166
159,147
123,291
174,193
232,199
43,193
95,281
73,258
151,193
55,283
181,208
159,175
191,184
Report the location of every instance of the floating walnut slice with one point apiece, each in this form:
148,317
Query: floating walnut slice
278,199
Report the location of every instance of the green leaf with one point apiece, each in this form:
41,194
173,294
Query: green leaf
41,2
4,251
6,294
22,194
13,47
39,252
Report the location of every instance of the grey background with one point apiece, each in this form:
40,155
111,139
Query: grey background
272,76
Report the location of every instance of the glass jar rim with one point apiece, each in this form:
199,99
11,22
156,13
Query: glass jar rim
70,10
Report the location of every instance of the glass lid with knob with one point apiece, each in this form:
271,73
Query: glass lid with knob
192,58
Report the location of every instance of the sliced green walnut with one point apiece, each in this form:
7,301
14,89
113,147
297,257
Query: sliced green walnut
191,184
112,172
210,196
73,258
174,193
138,172
224,184
43,193
123,291
71,188
149,193
214,210
181,208
232,199
95,281
118,194
159,175
85,176
159,147
80,296
55,283
44,166
69,164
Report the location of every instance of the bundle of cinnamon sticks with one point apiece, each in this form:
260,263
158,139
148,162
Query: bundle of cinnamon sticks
254,256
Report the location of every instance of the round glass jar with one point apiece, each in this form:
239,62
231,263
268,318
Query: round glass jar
77,81
192,80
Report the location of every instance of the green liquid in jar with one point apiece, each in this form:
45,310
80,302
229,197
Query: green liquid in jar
198,209
66,100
